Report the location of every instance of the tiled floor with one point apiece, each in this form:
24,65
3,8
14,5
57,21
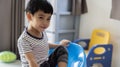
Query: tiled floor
14,64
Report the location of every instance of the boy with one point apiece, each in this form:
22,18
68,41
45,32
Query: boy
32,43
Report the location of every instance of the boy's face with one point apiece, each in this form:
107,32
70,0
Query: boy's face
39,21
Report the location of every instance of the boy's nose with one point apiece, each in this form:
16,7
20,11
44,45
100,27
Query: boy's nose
45,23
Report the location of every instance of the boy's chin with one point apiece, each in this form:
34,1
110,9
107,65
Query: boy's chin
41,30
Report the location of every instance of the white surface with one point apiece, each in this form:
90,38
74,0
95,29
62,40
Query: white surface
13,64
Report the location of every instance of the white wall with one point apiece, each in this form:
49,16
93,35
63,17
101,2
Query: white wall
98,16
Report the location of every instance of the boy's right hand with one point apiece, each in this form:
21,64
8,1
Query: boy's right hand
64,42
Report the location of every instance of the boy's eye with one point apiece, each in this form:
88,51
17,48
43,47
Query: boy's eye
48,19
41,17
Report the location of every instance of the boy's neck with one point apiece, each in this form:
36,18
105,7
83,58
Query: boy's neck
34,32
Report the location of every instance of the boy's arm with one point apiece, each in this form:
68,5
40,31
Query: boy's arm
62,42
51,45
31,59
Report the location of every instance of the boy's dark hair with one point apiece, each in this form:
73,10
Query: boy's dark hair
35,5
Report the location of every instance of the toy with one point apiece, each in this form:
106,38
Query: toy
7,56
99,48
76,55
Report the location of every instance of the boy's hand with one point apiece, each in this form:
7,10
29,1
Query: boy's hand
64,42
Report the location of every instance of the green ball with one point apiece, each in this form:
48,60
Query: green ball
7,56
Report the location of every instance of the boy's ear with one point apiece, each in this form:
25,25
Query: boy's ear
29,16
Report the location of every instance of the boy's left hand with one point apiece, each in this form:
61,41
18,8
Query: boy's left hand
64,42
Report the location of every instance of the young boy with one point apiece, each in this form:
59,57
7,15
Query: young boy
32,43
